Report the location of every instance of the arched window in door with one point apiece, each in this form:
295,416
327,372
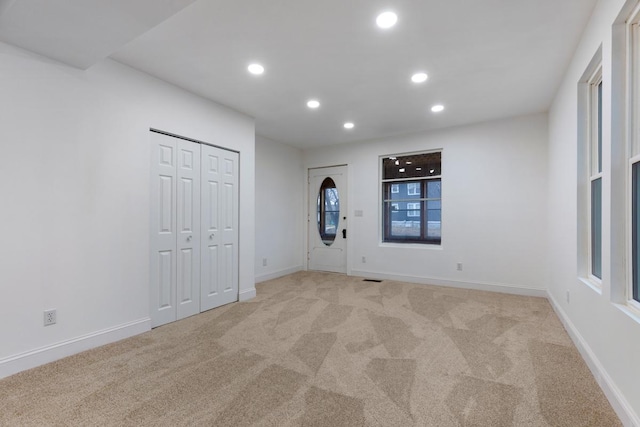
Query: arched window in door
328,211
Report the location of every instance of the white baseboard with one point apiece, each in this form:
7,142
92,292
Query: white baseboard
279,273
247,294
620,405
478,286
30,359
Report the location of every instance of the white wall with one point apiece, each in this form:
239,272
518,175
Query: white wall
279,209
74,185
493,209
605,331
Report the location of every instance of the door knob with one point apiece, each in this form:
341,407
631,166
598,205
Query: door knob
189,238
211,236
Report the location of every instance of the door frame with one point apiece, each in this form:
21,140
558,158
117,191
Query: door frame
307,202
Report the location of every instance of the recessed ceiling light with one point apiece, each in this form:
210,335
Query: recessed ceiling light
313,103
349,125
401,170
419,78
386,20
256,69
437,108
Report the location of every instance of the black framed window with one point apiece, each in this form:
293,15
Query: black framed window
412,198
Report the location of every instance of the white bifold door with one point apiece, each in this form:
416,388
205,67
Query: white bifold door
194,228
219,227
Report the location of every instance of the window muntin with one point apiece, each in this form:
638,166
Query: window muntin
413,213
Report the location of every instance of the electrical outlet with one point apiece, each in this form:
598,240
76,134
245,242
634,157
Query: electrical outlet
459,266
49,317
264,262
364,260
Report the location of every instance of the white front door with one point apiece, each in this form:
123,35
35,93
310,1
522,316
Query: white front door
219,245
327,219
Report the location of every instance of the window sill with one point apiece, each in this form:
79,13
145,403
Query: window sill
631,309
594,284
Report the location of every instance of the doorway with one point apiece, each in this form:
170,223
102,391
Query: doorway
327,219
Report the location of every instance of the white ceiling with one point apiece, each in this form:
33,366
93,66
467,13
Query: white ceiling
486,59
80,32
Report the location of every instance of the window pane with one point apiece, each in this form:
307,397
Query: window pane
413,189
635,218
600,127
434,223
434,189
331,222
403,223
331,200
328,215
435,204
413,209
405,190
398,214
412,166
596,228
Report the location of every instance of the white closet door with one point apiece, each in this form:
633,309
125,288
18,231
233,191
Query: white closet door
175,229
219,279
163,228
188,238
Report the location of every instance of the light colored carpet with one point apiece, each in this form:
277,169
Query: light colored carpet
318,349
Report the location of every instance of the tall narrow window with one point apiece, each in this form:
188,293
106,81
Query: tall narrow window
589,173
595,161
412,198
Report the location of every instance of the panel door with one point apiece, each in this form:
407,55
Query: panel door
163,244
188,229
220,208
327,219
